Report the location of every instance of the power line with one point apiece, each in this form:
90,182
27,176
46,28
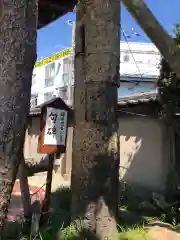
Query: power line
132,55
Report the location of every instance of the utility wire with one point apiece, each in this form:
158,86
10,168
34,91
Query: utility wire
132,56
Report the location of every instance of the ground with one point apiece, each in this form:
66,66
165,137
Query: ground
162,234
133,222
151,234
15,209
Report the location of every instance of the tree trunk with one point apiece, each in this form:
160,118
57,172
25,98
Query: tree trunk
18,23
155,32
26,200
95,165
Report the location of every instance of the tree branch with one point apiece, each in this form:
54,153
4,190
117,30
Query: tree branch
155,32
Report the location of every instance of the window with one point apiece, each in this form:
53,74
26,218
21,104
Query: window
68,70
48,96
126,57
49,82
65,78
33,102
49,74
33,79
66,64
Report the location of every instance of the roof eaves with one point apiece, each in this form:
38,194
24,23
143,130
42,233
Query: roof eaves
35,111
138,98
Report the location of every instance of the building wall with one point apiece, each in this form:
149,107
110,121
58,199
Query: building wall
60,76
143,155
31,140
139,60
144,158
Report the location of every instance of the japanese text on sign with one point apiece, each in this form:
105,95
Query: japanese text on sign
56,127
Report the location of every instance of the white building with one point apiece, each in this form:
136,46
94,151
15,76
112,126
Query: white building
51,77
139,72
139,69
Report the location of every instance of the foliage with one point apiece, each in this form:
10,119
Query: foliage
169,93
128,197
169,90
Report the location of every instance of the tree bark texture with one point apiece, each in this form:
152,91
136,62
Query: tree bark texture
18,24
155,32
95,164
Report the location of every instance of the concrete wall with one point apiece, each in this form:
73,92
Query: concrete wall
31,140
143,152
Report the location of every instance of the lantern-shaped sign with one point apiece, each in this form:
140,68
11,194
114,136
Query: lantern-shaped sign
53,126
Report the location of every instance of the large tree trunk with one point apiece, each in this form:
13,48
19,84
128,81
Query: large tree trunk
18,23
155,32
95,166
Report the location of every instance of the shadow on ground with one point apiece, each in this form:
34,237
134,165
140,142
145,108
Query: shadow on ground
59,219
58,228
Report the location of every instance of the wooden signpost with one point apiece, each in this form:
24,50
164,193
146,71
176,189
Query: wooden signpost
52,140
53,127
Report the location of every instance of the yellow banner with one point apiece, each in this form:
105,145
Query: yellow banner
56,56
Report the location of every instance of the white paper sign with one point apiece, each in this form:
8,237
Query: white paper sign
55,128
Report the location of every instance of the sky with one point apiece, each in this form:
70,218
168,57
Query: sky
57,35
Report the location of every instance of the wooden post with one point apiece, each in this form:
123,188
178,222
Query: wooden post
26,200
47,199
